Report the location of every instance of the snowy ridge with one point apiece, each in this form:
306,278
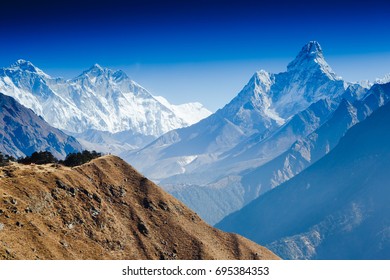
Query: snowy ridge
28,66
311,58
99,98
384,80
183,110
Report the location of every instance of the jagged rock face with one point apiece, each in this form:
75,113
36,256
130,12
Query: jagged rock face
269,100
336,209
104,210
22,132
99,98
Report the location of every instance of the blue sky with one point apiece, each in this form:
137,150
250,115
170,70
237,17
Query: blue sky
195,50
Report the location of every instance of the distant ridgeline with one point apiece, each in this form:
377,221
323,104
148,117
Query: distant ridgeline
45,157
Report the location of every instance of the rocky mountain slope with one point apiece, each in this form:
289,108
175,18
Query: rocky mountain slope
104,210
22,132
336,209
308,150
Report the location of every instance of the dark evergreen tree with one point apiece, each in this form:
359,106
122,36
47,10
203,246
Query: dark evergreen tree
5,159
75,159
39,158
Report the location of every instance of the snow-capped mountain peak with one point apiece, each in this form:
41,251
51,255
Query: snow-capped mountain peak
25,65
277,97
95,71
311,50
311,58
313,47
96,66
260,83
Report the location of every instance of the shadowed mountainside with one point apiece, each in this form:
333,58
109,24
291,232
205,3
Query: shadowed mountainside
22,132
338,208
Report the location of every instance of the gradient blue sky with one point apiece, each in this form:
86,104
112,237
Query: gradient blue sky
195,50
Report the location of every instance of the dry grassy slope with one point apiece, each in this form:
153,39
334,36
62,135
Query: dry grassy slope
104,210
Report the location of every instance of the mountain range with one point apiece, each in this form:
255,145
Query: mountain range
296,161
337,208
208,165
100,100
308,150
265,104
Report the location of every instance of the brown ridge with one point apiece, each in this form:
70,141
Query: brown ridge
104,210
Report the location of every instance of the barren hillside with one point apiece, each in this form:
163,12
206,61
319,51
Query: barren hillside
104,210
